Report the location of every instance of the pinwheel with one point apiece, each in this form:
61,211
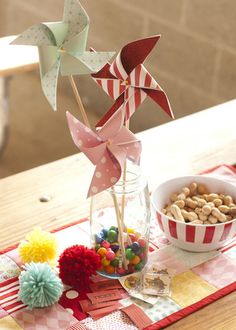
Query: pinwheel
128,82
107,149
62,47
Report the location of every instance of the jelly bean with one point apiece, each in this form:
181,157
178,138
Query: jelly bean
139,266
102,251
135,247
133,237
110,255
135,261
105,244
105,262
112,236
115,262
99,238
114,247
130,230
109,269
142,242
129,254
121,271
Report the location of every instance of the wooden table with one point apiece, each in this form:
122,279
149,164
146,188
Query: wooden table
185,146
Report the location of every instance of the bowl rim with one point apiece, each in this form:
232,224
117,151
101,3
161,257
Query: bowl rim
189,223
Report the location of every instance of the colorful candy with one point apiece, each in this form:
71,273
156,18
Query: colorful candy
108,248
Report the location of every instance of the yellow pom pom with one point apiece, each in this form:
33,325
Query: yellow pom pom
39,246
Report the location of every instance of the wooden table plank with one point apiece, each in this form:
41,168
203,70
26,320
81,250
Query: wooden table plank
185,146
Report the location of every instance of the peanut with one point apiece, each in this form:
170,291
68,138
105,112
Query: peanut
190,203
212,219
202,216
223,209
193,188
197,222
175,210
220,216
198,210
232,210
202,189
184,214
228,200
180,203
173,197
206,209
186,191
164,211
218,202
181,196
211,197
192,216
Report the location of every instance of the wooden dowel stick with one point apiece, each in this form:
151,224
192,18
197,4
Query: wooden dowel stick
117,210
79,102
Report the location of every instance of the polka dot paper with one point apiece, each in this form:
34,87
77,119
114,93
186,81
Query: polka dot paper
107,149
70,301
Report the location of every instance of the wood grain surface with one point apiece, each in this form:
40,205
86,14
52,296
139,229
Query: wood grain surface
185,146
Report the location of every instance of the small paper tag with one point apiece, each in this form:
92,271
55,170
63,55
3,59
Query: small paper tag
105,285
132,285
106,295
98,313
156,284
137,315
87,306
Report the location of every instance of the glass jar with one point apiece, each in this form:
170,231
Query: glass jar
120,224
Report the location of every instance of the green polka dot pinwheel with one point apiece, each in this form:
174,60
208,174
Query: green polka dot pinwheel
62,47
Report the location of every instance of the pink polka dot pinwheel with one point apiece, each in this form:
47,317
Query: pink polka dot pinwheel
128,82
107,149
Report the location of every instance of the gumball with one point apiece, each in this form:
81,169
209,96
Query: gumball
113,228
131,268
110,255
109,269
99,238
104,232
133,237
102,251
115,262
114,247
139,266
135,247
112,236
135,261
130,230
105,244
142,242
129,254
105,262
97,246
121,271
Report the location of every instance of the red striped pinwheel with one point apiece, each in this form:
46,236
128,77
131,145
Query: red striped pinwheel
128,82
107,149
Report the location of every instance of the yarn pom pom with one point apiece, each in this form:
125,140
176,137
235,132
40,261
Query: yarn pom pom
76,264
40,285
39,246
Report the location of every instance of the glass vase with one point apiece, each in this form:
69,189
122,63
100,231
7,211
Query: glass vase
120,224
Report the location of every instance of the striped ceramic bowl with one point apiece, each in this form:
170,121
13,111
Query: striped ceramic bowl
187,236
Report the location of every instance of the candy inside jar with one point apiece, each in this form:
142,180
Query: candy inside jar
120,223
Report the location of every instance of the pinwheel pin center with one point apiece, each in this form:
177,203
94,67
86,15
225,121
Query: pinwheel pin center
109,142
61,50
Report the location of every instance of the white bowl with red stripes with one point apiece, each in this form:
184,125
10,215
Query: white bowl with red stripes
187,236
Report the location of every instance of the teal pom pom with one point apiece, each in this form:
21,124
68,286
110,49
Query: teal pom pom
40,285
